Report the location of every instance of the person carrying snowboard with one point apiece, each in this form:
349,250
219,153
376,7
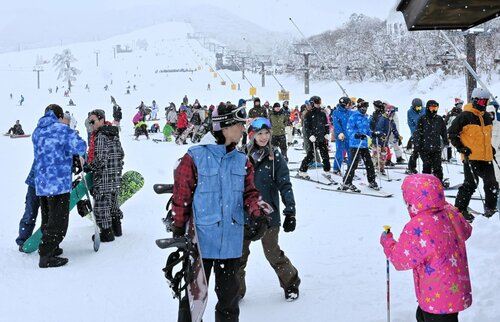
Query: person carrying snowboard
107,166
432,244
54,145
213,185
358,132
272,179
471,132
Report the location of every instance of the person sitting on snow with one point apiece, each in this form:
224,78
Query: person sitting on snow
17,129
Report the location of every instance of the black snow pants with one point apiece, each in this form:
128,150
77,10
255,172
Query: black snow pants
485,171
55,211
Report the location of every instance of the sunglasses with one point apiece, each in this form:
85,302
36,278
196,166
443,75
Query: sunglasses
92,122
261,123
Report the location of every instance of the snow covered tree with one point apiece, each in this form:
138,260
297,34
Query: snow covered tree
62,63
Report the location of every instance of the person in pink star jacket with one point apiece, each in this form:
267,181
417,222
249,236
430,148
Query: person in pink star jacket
432,244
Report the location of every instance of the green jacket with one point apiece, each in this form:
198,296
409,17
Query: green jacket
278,121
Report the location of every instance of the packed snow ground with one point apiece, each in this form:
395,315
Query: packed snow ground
335,246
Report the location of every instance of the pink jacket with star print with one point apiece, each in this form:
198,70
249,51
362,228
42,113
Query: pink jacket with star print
432,244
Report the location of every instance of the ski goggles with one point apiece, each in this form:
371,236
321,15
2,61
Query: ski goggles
482,101
235,116
433,108
260,123
418,108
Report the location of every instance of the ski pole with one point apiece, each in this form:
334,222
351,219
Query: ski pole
476,180
352,162
315,159
387,230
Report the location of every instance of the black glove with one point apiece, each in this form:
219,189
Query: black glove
465,150
177,231
289,223
256,228
360,136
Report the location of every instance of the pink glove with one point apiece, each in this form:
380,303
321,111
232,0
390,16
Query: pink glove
386,238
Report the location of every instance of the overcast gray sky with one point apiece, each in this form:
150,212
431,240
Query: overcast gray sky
312,16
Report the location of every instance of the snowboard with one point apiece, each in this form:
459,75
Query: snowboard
132,181
181,139
17,136
192,265
202,130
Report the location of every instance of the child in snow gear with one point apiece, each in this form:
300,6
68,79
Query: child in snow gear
107,165
16,129
415,112
317,129
54,145
432,244
168,130
429,137
228,177
339,117
358,132
141,128
272,179
471,132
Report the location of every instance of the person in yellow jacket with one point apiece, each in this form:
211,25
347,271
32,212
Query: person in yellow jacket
470,132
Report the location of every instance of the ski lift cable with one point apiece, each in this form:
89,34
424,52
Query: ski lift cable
463,58
317,54
245,76
274,76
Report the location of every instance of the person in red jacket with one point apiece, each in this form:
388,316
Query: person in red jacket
182,121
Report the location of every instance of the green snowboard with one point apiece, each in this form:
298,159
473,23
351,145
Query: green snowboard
132,181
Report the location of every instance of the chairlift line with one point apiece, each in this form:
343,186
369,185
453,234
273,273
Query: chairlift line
314,50
240,70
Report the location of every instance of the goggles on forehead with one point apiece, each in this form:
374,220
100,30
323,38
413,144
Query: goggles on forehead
237,115
261,123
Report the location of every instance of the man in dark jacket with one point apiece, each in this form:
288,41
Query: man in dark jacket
257,110
317,128
54,145
17,129
428,138
107,166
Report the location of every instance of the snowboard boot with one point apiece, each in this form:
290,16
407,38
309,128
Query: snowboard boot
52,261
116,224
106,235
400,160
57,252
291,294
303,174
351,187
373,185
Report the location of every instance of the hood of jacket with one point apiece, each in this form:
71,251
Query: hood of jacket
48,119
109,130
423,193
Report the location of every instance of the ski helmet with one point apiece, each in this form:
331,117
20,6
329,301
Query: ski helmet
416,102
480,98
315,99
343,101
228,115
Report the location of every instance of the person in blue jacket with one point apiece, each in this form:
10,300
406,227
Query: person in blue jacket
358,133
385,126
272,179
32,204
54,145
340,116
415,112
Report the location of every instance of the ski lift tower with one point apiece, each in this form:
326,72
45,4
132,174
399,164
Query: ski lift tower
300,49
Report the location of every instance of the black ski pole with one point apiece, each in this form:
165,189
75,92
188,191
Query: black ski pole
352,161
476,180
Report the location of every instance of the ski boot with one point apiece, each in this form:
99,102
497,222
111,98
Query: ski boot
468,216
411,171
488,212
445,183
351,187
373,185
400,160
303,175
